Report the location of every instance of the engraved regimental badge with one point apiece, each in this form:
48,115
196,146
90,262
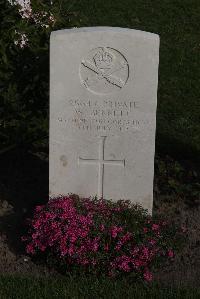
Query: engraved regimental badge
104,70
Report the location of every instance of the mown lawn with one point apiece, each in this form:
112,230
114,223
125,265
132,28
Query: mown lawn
16,287
177,23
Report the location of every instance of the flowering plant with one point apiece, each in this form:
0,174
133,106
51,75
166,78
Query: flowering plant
25,31
100,235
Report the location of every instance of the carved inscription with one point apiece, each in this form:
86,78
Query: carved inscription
104,70
101,162
109,116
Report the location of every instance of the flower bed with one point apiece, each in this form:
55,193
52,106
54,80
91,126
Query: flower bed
100,236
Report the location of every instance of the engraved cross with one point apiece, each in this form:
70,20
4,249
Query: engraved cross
101,162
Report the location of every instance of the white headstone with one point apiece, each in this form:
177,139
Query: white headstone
103,95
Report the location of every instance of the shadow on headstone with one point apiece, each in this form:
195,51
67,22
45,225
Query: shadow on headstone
23,185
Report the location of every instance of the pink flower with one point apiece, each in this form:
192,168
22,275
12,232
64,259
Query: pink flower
73,238
71,250
51,19
95,247
34,235
118,246
170,253
115,230
155,227
30,249
39,208
148,276
145,230
124,239
102,227
145,252
43,18
25,7
122,263
137,263
72,229
22,40
124,266
42,247
152,242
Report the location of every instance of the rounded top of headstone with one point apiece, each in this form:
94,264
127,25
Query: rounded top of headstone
121,30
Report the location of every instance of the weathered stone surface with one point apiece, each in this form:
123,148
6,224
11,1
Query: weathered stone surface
103,95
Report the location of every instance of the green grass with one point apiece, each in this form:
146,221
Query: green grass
177,23
16,287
